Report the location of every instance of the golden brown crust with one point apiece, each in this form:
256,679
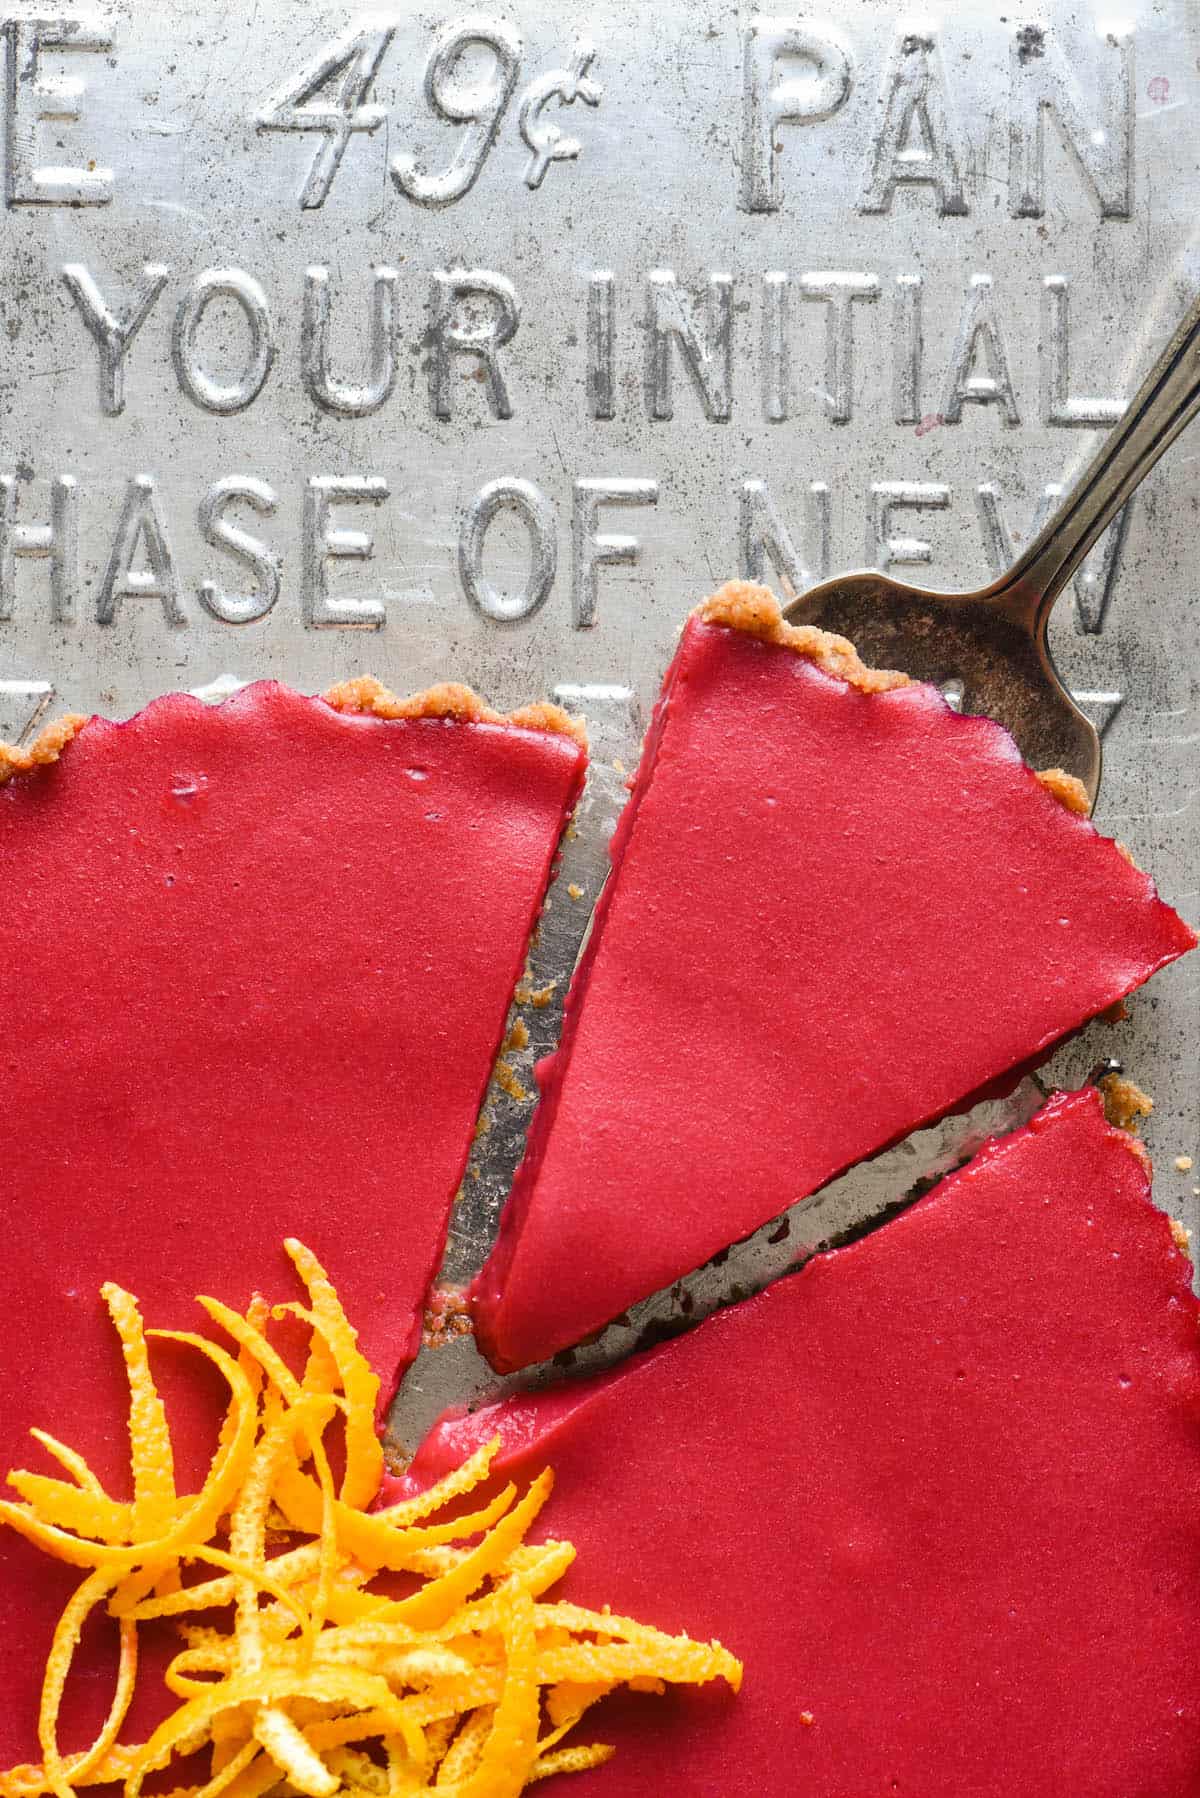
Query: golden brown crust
449,700
743,606
1124,1103
1183,1237
447,1316
1067,789
45,749
508,1080
366,694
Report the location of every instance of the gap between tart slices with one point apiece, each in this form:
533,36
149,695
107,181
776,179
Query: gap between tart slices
969,1484
1095,887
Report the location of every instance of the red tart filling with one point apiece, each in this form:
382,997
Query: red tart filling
940,1492
254,968
837,911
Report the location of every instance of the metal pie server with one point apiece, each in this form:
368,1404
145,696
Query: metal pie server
993,641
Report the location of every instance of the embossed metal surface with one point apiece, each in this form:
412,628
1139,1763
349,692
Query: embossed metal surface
482,344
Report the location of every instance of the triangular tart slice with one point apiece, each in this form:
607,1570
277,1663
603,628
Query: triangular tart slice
940,1491
255,962
837,911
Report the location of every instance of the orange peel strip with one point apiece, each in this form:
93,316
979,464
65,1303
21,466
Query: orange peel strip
463,1755
151,1456
252,1782
444,1689
257,1313
337,1687
571,1760
72,1508
93,1591
364,1451
363,1538
197,1521
232,1772
253,1343
566,1703
335,1732
464,1479
284,1571
455,1697
679,1661
32,1781
295,1757
436,1603
508,1754
248,1523
72,1460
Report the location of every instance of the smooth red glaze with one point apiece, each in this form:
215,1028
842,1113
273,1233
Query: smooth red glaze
940,1490
832,918
254,968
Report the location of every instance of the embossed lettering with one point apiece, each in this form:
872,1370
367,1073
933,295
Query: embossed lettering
23,705
537,515
546,142
336,396
767,103
593,549
613,718
764,538
220,532
889,497
1093,587
999,544
601,318
838,290
325,543
1102,141
908,350
1094,583
474,312
353,60
34,99
979,335
215,396
57,541
1058,405
707,354
481,112
112,332
776,346
141,532
1102,708
916,137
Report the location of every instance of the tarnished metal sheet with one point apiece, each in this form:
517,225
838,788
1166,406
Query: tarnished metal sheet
482,344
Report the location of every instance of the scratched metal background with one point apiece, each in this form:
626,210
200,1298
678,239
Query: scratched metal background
1089,253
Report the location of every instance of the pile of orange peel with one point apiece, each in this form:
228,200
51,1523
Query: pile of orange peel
292,1672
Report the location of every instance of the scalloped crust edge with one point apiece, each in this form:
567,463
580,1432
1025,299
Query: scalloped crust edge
738,605
365,695
745,606
450,700
45,749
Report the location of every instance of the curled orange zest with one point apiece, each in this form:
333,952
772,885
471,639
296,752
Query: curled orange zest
293,1671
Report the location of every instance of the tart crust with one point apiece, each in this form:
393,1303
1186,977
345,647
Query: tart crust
362,695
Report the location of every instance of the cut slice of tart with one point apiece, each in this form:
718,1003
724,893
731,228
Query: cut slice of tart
255,963
940,1492
837,911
